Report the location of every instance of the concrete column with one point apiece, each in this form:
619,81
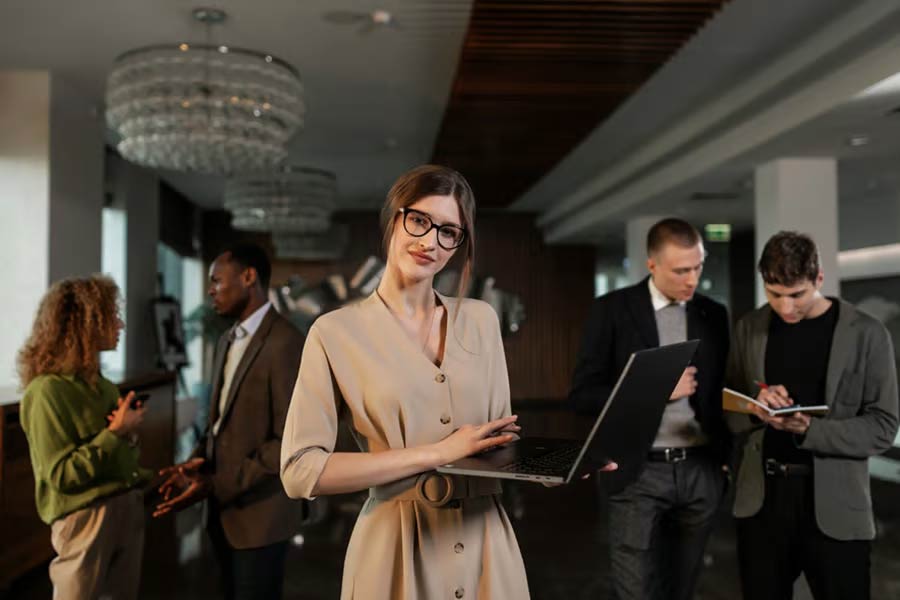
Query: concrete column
799,194
51,193
77,149
636,246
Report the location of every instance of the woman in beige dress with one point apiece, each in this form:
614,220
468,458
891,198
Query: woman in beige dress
421,380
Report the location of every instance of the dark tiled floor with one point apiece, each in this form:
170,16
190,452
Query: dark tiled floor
561,533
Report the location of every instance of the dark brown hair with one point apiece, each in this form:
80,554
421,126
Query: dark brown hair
74,320
433,180
672,231
789,258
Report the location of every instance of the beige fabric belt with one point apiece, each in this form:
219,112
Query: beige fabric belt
436,489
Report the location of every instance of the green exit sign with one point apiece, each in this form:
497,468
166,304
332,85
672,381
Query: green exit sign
717,232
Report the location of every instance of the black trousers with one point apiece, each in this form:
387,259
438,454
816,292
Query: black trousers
782,540
658,528
247,574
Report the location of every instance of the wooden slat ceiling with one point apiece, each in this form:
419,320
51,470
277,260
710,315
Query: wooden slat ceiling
536,76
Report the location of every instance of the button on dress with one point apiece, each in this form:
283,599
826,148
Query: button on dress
449,536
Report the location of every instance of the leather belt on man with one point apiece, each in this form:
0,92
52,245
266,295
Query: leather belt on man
773,468
676,455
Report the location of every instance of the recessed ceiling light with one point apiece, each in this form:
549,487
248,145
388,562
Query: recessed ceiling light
368,20
857,140
382,17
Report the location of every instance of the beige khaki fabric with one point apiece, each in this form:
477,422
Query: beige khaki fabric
99,550
428,537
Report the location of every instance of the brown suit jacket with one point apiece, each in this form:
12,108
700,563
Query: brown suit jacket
244,457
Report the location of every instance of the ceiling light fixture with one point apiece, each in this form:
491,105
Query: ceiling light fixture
327,245
207,108
294,200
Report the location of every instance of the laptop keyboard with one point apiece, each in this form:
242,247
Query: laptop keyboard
557,462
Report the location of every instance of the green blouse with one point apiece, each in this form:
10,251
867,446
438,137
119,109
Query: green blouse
75,458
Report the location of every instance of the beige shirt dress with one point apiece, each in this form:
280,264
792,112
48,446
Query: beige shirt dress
427,537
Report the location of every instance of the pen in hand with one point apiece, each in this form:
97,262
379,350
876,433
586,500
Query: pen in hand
777,396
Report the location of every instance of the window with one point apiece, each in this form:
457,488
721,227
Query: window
113,262
182,278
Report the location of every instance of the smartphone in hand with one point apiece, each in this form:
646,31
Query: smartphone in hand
138,400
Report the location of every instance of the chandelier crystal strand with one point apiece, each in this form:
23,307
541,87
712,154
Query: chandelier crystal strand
203,108
292,200
326,245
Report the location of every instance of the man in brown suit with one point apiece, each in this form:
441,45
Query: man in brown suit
236,463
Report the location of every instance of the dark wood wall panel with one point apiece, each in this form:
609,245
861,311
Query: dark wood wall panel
536,76
178,221
555,283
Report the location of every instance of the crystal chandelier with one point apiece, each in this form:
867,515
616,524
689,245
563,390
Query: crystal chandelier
327,245
291,200
203,107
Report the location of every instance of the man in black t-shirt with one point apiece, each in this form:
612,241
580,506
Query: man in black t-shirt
802,498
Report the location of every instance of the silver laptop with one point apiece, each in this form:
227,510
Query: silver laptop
623,432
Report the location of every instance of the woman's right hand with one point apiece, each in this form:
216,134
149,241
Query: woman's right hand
472,439
125,420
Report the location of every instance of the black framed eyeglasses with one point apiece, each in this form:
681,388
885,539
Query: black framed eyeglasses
417,224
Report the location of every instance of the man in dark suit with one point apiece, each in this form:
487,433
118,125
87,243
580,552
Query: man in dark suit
250,518
802,497
662,510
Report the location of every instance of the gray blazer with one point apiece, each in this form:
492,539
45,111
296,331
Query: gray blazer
861,391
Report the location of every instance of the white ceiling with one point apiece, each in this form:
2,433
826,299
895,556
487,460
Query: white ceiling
740,39
864,172
374,99
740,43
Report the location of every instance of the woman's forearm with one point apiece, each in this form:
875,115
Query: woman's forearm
347,472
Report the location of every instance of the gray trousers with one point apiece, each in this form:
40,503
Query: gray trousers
658,528
99,550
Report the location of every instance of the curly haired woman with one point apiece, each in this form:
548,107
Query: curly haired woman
81,440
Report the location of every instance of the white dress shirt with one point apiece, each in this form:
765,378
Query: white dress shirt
243,333
658,299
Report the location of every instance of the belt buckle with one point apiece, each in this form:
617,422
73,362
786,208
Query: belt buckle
773,468
446,499
675,455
